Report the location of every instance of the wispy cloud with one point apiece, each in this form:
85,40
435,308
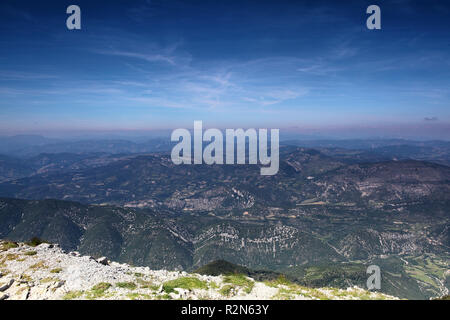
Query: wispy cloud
150,57
136,48
319,69
18,75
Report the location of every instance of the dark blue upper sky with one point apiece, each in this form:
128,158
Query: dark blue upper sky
306,66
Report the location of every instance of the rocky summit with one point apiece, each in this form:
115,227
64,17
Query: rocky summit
46,272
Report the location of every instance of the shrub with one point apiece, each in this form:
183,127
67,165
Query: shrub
35,241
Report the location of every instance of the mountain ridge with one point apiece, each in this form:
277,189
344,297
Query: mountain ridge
45,272
180,242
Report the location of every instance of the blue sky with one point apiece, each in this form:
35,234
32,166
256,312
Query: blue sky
303,66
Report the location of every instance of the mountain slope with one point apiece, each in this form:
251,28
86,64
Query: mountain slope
165,240
47,272
306,178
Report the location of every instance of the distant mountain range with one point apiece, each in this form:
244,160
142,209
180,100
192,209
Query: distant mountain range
31,146
307,178
26,146
326,216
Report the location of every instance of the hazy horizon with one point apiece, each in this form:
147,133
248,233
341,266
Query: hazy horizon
142,135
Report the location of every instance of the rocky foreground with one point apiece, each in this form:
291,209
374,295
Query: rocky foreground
46,272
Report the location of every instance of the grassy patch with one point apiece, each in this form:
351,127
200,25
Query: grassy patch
288,291
39,265
4,271
227,290
56,270
6,245
73,295
30,253
314,293
284,294
127,285
165,296
187,283
98,290
281,280
241,281
47,280
11,256
25,277
147,284
21,290
138,296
